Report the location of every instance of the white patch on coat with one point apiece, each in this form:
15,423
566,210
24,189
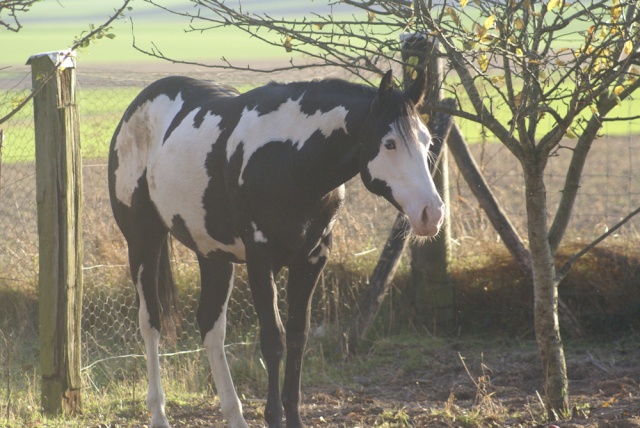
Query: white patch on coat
323,253
406,171
287,123
151,338
214,345
258,236
138,139
332,222
178,179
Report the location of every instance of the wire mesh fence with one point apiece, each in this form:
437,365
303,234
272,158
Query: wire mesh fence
610,189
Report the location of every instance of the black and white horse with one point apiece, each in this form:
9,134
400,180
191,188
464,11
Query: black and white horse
257,178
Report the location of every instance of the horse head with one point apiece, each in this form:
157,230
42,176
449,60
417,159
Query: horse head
394,155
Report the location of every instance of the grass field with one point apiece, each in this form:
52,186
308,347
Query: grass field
102,107
52,25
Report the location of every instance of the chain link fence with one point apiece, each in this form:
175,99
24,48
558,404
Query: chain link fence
111,343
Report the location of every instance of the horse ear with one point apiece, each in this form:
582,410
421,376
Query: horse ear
416,91
386,86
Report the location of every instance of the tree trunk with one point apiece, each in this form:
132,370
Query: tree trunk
545,288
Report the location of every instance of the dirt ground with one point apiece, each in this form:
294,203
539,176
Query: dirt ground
417,386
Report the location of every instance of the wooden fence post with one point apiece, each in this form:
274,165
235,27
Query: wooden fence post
434,296
59,194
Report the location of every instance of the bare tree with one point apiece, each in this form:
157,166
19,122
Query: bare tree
521,52
514,65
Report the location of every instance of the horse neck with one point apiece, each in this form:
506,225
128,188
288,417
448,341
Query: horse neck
341,152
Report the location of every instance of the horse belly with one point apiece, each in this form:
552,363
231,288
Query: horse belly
178,182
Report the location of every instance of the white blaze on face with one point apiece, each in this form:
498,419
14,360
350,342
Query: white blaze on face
402,165
287,123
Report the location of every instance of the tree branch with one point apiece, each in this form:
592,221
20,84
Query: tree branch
14,7
564,270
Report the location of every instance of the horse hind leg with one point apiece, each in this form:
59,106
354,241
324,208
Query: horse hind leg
148,258
151,335
217,283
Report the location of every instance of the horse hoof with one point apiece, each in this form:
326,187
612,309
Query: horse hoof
160,423
295,424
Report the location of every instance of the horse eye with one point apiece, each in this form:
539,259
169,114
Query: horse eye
390,145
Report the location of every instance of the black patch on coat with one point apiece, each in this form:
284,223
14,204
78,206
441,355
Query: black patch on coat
181,232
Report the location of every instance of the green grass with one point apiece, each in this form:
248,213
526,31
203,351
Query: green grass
53,25
169,36
101,109
475,132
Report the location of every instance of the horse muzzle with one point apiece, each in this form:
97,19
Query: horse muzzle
427,220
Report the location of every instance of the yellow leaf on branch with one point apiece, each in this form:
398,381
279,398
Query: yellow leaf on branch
454,15
287,44
519,23
370,16
616,10
488,23
517,100
483,62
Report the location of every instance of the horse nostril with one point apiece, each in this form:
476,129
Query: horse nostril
424,218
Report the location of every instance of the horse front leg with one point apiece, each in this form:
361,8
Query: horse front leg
265,298
303,276
217,283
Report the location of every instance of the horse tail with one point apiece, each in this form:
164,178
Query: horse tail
167,294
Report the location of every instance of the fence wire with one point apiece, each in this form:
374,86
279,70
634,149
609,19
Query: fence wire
610,190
